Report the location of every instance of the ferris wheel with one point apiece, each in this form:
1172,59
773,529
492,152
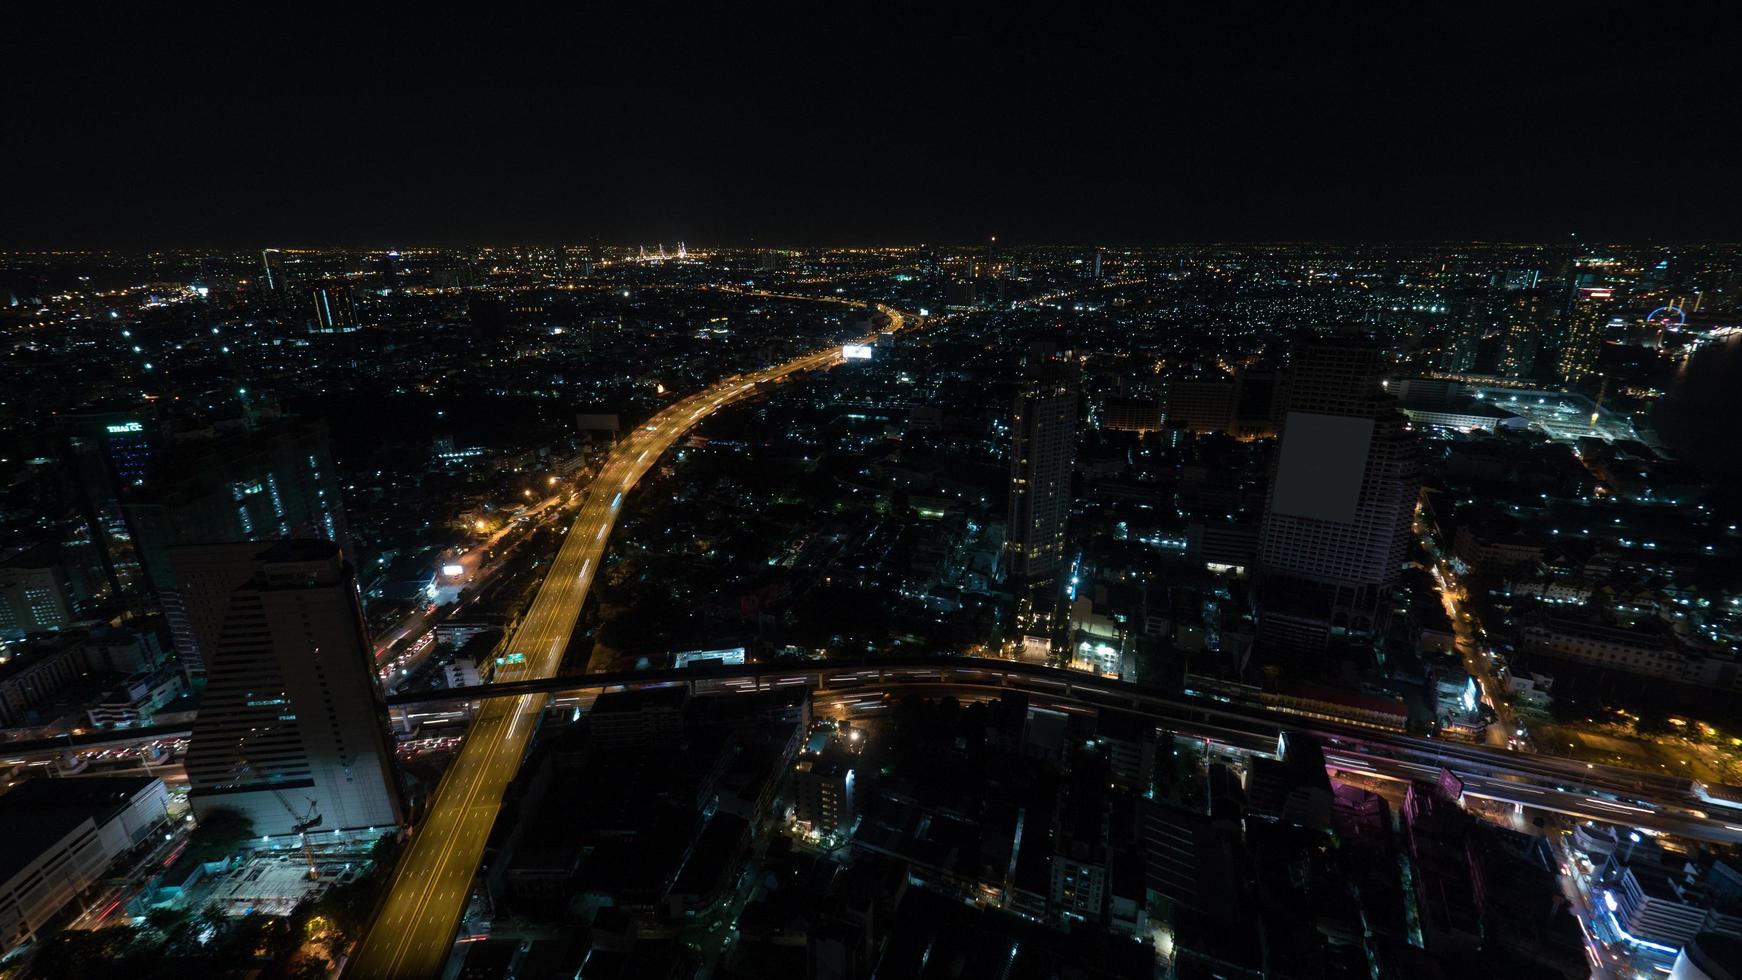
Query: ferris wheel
1670,318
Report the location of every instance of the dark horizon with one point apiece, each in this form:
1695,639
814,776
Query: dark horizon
155,130
694,246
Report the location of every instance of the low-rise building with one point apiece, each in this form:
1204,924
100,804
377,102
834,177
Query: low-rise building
136,700
1645,653
33,675
59,836
33,600
1663,908
1124,414
1079,881
1223,546
1201,405
1130,741
1496,547
639,719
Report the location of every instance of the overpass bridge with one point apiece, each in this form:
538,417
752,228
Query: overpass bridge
414,924
1658,802
98,738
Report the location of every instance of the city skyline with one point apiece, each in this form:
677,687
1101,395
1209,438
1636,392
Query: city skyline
418,609
871,493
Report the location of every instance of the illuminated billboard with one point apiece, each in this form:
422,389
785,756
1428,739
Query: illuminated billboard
728,655
856,352
453,571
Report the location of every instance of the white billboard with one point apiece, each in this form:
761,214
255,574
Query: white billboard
728,655
1323,460
855,352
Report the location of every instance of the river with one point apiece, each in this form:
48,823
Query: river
1697,416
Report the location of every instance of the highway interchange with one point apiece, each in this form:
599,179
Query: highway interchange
414,927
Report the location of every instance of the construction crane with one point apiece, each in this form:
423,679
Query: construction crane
300,826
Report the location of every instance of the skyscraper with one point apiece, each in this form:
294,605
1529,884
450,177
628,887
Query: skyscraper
292,726
1342,496
1525,320
1470,315
108,455
275,481
1042,455
335,311
1593,309
272,274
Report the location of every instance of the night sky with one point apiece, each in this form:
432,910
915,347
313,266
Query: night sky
258,124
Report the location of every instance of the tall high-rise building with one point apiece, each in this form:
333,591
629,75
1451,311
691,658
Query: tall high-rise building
108,455
1042,455
272,274
1342,496
273,481
292,731
335,312
1526,318
1471,315
1587,323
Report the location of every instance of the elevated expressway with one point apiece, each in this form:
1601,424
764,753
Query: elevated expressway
1609,794
414,927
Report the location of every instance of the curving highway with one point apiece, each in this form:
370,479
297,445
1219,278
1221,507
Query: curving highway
414,927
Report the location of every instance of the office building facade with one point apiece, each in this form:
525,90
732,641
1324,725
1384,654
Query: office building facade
107,456
62,837
1201,404
32,600
335,311
823,789
292,731
1042,456
1588,325
1341,501
272,275
1526,318
269,482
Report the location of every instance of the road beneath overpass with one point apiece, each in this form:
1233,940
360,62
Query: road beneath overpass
414,927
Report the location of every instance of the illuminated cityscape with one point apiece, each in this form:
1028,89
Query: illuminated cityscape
682,498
